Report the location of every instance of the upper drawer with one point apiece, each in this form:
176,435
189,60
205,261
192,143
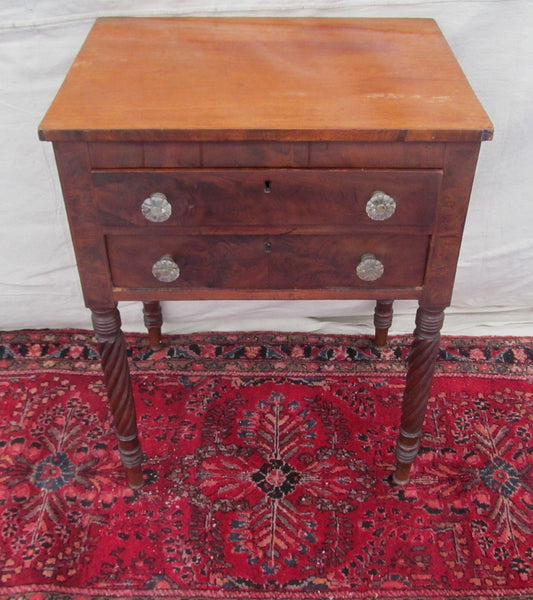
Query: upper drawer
271,197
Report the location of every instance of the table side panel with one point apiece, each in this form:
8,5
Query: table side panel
459,171
87,237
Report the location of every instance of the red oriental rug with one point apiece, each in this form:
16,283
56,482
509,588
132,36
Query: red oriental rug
267,472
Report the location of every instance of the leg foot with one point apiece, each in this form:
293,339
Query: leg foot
401,475
112,348
153,321
135,477
382,322
417,388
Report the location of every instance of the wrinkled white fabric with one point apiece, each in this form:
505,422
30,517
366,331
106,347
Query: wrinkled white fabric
39,285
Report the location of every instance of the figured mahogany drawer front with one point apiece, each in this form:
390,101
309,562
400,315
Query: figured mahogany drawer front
267,262
265,197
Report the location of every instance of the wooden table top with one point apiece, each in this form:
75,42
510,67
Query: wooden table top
147,79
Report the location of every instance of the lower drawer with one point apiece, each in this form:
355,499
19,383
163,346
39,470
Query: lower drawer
247,262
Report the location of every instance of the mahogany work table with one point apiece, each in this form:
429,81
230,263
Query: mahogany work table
266,158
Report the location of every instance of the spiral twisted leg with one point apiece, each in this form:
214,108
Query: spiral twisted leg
153,320
417,388
112,348
382,322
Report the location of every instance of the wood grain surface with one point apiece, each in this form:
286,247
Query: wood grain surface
265,79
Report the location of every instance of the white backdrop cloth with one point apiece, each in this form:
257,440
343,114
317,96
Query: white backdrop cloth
493,42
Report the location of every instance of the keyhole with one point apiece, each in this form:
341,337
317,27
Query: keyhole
268,189
268,247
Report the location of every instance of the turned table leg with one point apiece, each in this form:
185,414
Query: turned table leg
112,348
153,321
382,322
421,363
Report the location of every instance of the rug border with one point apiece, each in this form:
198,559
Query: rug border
53,592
